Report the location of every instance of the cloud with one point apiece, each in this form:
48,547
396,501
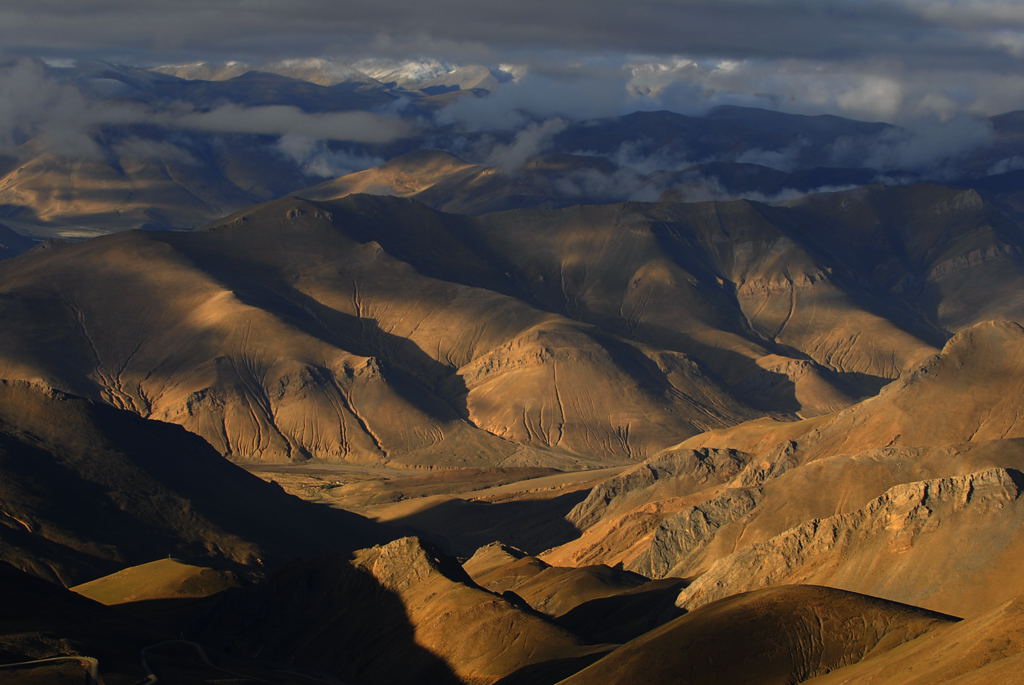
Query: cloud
1006,165
881,59
839,29
929,145
145,149
352,126
57,115
316,158
577,91
59,118
527,143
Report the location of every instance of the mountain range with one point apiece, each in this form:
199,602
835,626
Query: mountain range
729,397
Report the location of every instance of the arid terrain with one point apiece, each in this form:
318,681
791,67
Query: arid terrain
647,397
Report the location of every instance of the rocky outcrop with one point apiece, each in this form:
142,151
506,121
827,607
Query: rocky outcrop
681,536
681,471
937,543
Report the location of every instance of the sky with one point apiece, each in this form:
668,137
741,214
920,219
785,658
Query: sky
883,59
935,67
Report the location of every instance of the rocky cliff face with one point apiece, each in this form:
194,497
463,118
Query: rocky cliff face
662,520
919,543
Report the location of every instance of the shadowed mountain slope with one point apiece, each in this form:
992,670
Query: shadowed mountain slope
781,635
377,330
983,649
968,392
726,133
40,620
12,243
803,501
87,489
400,613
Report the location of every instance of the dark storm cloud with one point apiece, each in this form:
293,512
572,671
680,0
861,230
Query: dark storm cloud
939,32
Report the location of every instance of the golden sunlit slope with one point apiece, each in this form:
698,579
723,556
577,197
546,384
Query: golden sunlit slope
950,544
663,522
374,329
41,620
679,513
984,649
140,182
549,589
778,636
443,181
620,519
86,489
406,176
160,579
398,613
969,392
364,331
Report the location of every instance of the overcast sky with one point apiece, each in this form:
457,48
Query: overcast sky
870,58
976,33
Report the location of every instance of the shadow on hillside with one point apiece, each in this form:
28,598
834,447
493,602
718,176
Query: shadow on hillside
326,617
431,386
621,618
460,527
552,671
325,620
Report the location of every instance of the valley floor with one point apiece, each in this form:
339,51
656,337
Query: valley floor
460,509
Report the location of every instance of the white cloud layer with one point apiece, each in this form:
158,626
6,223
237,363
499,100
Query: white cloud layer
58,117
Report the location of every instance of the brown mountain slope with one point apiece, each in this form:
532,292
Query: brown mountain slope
951,544
374,329
969,392
723,281
40,620
292,332
397,614
676,525
87,489
160,579
983,649
781,635
936,251
141,182
681,511
549,589
946,250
